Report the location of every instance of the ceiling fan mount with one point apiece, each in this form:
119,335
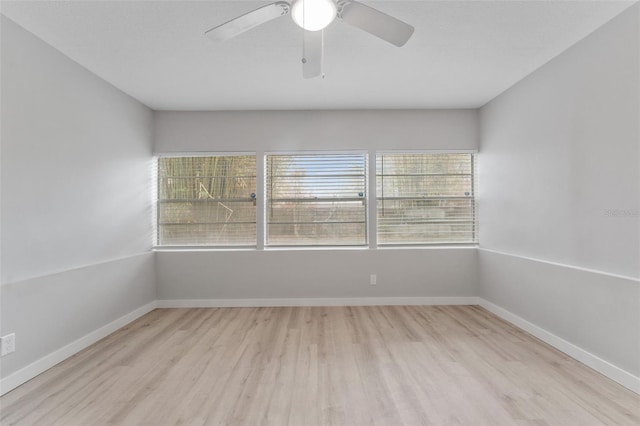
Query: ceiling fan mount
313,16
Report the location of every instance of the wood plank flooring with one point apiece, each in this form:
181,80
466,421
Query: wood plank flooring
392,365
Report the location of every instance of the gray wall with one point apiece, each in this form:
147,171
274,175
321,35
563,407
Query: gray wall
323,273
315,130
320,273
560,182
76,202
560,149
596,312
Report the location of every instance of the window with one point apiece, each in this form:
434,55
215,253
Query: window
316,199
425,198
207,200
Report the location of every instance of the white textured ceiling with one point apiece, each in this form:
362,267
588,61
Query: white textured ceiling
462,54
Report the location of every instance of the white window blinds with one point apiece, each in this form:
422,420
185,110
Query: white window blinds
425,198
207,200
316,199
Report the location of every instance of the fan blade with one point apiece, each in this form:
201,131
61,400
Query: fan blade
312,54
375,22
248,21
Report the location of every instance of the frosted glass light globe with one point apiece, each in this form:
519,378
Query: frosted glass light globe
313,15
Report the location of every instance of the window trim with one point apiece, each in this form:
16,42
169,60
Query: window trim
474,207
156,199
367,174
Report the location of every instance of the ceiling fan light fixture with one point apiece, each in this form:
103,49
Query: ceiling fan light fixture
313,15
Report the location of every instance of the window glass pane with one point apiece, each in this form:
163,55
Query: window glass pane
207,200
316,199
425,198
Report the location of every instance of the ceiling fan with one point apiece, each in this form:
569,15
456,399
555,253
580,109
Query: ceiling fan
313,16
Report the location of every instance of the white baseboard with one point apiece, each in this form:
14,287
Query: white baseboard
321,301
616,374
32,370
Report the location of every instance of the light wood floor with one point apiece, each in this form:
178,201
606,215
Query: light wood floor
393,365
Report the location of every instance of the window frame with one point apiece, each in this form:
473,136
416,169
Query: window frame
156,201
474,204
265,218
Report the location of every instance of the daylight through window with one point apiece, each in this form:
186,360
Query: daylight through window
316,199
425,198
207,200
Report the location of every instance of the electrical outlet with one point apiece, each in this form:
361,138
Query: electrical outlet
373,279
8,344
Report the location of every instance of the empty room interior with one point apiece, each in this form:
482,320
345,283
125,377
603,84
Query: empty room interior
320,212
